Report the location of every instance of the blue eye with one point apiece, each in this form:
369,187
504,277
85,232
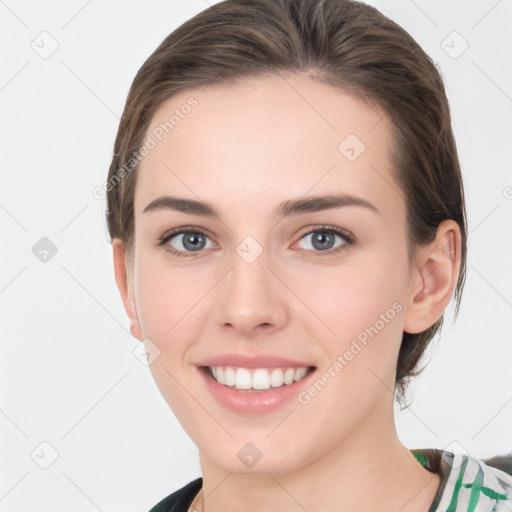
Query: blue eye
323,239
190,242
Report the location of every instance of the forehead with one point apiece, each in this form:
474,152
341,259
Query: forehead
273,137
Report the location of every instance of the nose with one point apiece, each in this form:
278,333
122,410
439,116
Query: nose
251,299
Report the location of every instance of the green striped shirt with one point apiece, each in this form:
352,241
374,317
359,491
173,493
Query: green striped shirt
467,484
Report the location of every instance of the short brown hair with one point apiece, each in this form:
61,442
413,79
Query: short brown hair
343,43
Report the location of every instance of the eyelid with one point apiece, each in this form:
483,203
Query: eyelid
347,236
344,233
168,235
162,239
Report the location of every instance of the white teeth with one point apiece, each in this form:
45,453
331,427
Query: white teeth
257,379
242,379
229,376
299,373
288,376
276,378
261,379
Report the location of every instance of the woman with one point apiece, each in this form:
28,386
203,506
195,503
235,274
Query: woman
287,215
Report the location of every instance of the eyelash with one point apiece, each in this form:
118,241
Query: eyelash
348,240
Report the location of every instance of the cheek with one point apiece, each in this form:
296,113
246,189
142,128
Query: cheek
364,308
166,299
354,295
362,303
169,306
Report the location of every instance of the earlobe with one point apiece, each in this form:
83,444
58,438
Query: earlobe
433,279
127,296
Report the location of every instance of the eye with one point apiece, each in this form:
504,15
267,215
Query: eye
323,238
189,242
185,242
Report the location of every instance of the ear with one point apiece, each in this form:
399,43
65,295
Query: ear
433,278
125,290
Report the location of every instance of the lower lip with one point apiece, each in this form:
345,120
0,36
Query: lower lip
253,402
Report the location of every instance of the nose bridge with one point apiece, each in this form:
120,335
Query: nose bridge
249,277
249,261
251,296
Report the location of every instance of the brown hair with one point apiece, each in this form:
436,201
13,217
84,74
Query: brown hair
344,43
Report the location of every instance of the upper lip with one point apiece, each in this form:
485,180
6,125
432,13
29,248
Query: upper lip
252,361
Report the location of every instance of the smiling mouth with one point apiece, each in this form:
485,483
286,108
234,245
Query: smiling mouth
257,379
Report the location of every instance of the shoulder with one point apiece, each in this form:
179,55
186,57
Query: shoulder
180,500
502,483
469,484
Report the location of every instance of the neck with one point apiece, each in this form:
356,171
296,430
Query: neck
367,471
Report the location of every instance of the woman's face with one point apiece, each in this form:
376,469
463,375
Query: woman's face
274,279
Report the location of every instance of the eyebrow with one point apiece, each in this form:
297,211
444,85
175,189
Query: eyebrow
287,208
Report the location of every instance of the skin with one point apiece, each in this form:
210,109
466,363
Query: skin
245,149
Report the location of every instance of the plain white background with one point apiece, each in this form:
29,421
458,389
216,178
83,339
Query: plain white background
69,377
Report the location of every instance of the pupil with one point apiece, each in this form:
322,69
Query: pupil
322,238
192,240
